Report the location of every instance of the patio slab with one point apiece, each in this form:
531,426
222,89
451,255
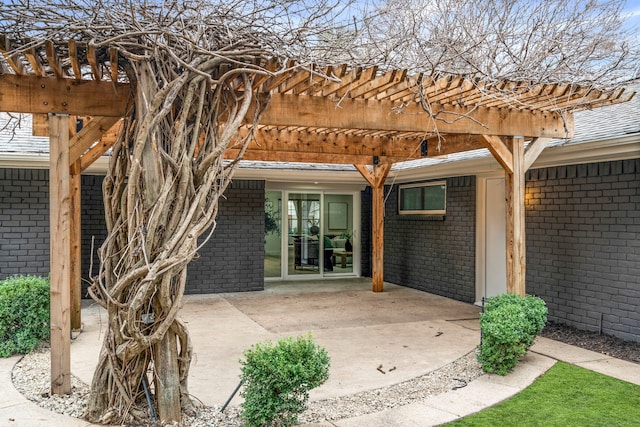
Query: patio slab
403,328
413,331
361,330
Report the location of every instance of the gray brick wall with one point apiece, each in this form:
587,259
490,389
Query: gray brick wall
583,245
231,261
365,232
435,255
24,222
94,228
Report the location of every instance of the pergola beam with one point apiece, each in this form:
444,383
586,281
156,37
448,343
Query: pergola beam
298,157
350,148
364,114
34,94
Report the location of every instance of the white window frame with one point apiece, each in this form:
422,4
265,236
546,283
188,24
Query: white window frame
423,212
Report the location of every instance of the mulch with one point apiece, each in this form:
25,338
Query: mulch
594,341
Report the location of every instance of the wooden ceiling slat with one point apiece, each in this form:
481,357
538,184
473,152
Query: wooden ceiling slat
331,87
269,67
317,88
486,93
408,88
36,62
4,69
563,97
93,62
592,97
471,97
619,96
314,84
385,86
357,78
372,84
436,86
274,81
73,57
450,95
12,59
347,81
524,99
113,63
52,58
509,96
290,85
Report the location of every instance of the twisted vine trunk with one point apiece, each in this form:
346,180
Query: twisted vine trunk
161,195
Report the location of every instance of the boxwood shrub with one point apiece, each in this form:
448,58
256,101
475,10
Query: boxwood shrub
277,379
24,314
509,325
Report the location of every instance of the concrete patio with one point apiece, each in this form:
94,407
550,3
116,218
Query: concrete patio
413,331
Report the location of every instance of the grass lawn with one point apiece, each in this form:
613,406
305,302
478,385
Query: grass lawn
566,395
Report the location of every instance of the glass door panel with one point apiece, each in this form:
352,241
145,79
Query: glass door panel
338,235
273,234
304,238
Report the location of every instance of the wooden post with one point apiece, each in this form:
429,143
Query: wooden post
516,241
60,248
75,255
168,379
376,180
515,161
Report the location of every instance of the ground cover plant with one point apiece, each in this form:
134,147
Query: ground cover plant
24,314
277,379
566,395
509,325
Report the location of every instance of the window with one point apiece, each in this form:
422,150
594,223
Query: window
423,199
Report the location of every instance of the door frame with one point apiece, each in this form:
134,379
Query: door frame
316,188
483,263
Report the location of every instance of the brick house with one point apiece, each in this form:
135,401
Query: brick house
582,223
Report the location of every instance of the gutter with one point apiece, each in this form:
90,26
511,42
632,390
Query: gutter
610,149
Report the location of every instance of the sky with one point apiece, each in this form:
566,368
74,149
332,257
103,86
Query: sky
632,7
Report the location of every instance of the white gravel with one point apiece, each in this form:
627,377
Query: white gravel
31,376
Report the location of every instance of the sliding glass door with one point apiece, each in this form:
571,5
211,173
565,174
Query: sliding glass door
309,234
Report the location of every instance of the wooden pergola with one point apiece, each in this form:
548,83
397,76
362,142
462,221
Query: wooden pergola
361,116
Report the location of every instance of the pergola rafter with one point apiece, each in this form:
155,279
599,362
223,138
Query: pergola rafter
366,117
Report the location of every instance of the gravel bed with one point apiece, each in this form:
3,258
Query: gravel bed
31,376
594,341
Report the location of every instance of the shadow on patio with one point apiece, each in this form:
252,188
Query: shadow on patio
413,331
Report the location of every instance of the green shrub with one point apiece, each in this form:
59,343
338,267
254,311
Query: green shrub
509,325
277,379
534,308
24,314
